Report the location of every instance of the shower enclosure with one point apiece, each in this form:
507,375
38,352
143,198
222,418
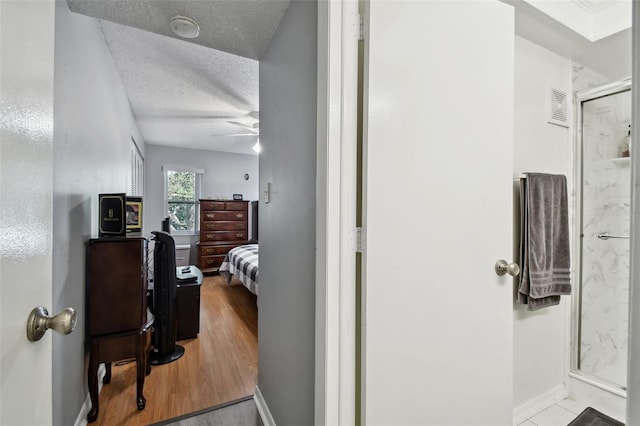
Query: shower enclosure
601,307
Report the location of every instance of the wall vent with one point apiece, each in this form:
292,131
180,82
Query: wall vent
558,108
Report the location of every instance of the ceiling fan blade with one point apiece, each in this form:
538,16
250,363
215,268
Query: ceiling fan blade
221,135
253,127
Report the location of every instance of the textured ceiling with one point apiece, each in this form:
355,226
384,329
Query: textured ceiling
241,27
185,93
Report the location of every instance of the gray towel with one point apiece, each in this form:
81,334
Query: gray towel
544,242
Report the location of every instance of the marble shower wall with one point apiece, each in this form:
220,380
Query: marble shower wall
606,207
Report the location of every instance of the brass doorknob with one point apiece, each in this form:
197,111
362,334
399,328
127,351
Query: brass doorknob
39,321
503,267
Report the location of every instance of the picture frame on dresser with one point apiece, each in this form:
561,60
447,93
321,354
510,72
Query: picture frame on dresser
111,211
223,226
134,214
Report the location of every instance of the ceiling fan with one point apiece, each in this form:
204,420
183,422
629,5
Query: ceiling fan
254,128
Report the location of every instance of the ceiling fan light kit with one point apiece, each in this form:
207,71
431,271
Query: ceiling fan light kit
184,27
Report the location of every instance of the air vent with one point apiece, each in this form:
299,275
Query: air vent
558,108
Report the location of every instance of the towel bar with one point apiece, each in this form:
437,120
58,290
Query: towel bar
606,236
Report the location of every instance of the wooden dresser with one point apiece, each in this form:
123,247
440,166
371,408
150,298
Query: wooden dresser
118,324
223,226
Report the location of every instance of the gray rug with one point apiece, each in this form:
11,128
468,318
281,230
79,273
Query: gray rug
240,412
593,417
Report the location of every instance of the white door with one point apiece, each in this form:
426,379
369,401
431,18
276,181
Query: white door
438,179
26,187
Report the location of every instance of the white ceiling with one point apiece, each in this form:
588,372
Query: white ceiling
185,93
592,19
609,56
241,27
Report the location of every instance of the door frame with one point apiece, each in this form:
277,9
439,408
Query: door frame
335,361
633,373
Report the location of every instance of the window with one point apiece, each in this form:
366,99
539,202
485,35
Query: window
136,172
183,191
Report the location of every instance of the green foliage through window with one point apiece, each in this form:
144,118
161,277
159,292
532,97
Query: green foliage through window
181,200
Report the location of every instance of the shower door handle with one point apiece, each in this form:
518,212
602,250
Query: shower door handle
606,236
503,267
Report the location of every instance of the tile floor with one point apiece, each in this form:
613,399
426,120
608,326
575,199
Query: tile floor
560,414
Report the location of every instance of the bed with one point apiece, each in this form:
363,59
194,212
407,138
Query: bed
242,262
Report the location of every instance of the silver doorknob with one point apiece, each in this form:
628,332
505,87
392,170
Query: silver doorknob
502,267
39,321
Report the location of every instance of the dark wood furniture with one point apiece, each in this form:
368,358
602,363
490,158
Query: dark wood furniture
118,324
223,226
188,310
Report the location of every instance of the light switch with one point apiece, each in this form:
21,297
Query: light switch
267,192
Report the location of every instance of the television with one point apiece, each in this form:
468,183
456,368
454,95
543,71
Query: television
166,225
164,301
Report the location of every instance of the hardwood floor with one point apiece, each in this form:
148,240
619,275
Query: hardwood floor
218,366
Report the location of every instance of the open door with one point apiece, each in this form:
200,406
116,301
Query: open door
438,213
26,185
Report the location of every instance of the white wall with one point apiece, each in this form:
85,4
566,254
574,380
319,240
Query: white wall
288,114
93,126
540,337
223,176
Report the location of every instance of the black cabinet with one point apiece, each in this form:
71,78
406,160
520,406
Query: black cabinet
188,310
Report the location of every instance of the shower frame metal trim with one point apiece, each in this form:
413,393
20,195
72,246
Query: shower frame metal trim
579,98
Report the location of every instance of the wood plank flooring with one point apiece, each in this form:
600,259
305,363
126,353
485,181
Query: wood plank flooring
219,366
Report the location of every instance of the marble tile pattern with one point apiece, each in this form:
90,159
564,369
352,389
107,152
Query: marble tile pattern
606,207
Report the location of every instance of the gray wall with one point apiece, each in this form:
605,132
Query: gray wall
93,126
287,224
223,177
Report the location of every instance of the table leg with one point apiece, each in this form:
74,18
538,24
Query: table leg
141,370
107,375
93,382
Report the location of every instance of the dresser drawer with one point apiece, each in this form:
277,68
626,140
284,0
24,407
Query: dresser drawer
211,249
208,215
212,205
223,235
224,226
219,205
236,205
211,261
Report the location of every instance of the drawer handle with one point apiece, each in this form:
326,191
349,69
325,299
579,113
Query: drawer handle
239,225
209,261
209,235
239,215
239,234
210,215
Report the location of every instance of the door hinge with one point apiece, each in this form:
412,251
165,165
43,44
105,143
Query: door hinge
361,30
357,240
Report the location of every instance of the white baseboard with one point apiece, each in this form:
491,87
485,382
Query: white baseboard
263,410
81,420
538,404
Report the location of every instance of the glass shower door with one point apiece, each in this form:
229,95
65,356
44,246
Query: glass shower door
604,238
